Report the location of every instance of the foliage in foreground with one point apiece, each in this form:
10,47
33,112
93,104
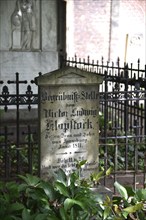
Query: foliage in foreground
68,198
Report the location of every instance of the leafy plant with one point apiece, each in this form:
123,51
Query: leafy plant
129,204
68,198
65,198
10,205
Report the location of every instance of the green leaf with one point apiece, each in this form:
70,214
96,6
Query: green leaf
68,203
62,189
73,178
80,163
12,190
84,215
130,191
63,214
12,186
108,172
141,194
106,212
97,176
26,214
14,218
22,187
73,214
125,214
49,190
116,218
134,208
83,162
41,217
16,207
61,176
53,218
30,180
122,190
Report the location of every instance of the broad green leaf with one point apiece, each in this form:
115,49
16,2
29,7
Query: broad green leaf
68,203
12,189
125,214
16,207
30,180
73,178
122,190
141,194
130,191
12,186
133,208
41,217
61,176
22,187
26,214
72,214
49,190
106,212
63,214
62,189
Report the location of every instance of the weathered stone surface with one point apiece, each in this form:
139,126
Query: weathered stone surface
28,38
68,120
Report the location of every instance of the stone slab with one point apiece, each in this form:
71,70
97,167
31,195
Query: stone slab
69,120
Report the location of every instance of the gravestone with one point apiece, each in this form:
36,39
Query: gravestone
68,117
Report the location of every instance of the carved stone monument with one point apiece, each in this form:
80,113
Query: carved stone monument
29,41
68,114
24,25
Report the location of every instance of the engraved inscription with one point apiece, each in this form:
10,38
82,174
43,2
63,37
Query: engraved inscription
69,127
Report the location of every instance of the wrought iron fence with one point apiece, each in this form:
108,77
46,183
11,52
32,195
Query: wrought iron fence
121,120
18,130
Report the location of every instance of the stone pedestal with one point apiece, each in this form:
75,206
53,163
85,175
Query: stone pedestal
68,115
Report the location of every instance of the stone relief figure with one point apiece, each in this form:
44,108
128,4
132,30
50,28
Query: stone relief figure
23,21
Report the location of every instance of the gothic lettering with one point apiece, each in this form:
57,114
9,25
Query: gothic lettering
52,125
73,96
70,120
